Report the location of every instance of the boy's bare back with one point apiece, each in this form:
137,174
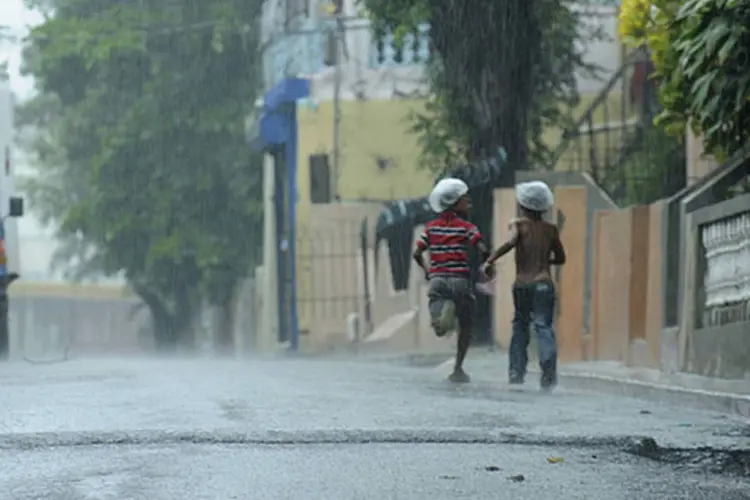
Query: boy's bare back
538,246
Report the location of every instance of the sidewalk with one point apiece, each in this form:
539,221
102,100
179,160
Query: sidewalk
726,396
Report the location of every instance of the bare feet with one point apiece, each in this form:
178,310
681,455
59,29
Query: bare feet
459,376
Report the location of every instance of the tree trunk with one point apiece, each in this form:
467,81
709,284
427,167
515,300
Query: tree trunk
224,326
169,329
490,67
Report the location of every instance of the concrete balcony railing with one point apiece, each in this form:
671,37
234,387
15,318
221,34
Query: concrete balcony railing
414,49
726,243
311,51
375,66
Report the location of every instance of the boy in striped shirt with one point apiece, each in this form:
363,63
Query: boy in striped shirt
447,239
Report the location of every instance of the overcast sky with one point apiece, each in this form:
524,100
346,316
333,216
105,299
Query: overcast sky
14,14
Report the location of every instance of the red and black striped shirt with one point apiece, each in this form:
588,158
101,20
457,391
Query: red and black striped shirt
447,239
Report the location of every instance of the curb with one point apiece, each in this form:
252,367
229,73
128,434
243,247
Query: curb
732,404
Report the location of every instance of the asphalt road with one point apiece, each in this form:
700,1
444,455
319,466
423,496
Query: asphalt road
349,430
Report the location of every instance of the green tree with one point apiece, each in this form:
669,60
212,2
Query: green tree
502,73
701,51
141,154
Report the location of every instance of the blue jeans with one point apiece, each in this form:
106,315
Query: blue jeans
533,303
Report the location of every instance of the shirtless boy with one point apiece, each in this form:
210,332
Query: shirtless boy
447,239
537,246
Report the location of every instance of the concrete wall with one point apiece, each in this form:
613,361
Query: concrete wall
48,320
571,278
654,303
505,210
612,287
627,290
45,320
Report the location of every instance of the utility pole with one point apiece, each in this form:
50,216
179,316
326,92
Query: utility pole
339,51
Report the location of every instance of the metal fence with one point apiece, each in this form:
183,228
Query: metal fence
616,143
330,283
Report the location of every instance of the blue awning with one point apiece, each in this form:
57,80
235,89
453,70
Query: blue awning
287,91
273,127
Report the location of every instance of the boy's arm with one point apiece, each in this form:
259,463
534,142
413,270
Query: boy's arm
475,239
557,257
418,255
506,247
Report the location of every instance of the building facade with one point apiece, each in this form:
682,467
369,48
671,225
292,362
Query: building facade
378,85
353,140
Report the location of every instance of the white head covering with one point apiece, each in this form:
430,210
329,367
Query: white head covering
446,193
535,196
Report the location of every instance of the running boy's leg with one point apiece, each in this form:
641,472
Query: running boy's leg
519,342
465,308
544,317
442,306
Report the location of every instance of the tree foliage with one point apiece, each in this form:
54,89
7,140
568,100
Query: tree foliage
501,74
483,52
139,144
701,51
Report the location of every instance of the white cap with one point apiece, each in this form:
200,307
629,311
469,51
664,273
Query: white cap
446,193
535,196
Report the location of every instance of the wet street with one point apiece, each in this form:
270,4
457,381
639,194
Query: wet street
324,429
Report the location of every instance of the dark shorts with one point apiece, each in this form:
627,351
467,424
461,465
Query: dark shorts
459,290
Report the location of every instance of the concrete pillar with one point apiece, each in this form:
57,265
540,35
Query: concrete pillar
269,332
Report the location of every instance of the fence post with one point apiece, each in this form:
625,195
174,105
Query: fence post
366,281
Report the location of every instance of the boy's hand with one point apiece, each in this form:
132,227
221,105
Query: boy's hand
488,270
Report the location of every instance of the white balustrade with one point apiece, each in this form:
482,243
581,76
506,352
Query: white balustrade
414,49
727,246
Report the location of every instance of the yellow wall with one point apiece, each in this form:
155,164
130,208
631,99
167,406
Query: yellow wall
368,129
